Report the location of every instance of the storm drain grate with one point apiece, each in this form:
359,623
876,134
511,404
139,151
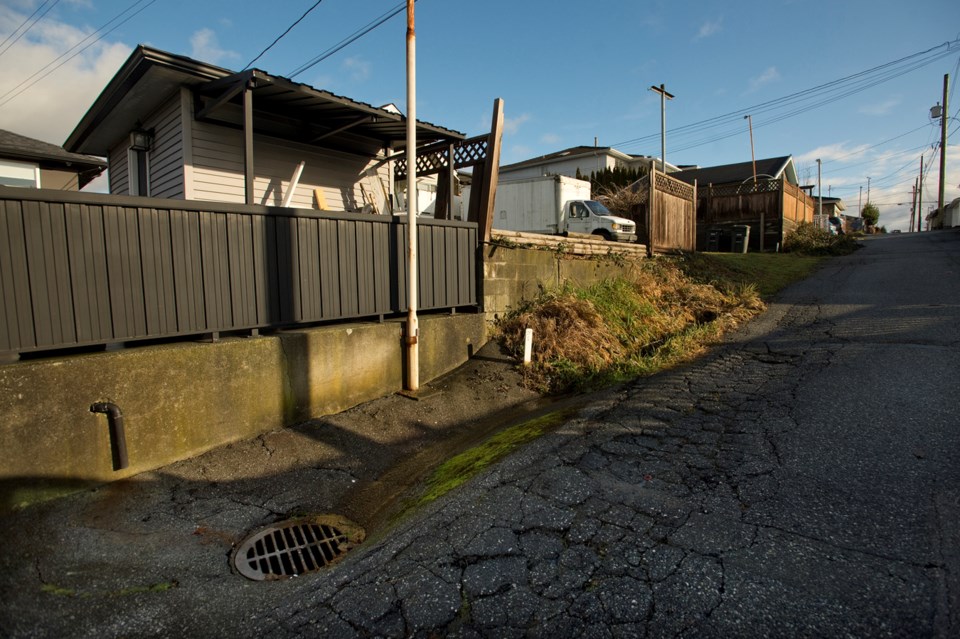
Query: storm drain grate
295,547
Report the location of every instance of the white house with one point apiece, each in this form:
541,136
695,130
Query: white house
175,127
585,159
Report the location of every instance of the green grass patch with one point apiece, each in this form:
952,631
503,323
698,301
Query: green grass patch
769,272
58,591
469,463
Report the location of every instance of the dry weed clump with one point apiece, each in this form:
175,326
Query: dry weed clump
622,328
568,333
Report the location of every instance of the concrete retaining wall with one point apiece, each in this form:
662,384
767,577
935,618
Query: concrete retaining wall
513,274
180,400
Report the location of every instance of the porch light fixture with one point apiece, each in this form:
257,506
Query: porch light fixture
141,140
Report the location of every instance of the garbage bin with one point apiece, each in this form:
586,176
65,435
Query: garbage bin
741,238
713,240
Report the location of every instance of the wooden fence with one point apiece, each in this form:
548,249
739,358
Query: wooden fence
666,216
85,269
772,208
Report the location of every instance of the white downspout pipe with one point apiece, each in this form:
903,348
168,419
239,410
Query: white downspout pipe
413,205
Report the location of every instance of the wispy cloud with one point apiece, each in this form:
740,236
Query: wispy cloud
769,75
881,108
512,125
357,68
49,106
838,152
708,28
550,138
205,46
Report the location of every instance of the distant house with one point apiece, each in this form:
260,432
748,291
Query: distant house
767,198
582,159
948,218
742,172
28,162
175,127
832,217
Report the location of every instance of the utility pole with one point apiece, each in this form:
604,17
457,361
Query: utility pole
920,197
943,143
913,207
868,189
860,203
413,205
819,194
753,158
664,96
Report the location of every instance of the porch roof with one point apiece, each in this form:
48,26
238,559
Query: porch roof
281,107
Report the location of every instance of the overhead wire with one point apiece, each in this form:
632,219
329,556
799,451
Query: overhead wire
76,50
32,24
281,36
356,35
801,101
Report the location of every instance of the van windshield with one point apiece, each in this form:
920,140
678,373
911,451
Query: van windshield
596,208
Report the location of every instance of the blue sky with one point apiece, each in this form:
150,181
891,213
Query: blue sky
569,73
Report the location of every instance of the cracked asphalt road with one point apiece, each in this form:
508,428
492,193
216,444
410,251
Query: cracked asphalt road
803,480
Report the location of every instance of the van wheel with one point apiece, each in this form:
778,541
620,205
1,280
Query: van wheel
603,233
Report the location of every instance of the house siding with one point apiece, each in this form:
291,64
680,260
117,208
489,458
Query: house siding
217,173
118,170
166,157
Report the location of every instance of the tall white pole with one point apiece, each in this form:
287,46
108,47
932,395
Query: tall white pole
664,96
819,194
413,205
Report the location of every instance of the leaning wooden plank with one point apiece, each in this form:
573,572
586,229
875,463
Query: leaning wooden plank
319,200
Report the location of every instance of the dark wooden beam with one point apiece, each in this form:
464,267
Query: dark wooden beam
248,143
216,103
345,127
491,173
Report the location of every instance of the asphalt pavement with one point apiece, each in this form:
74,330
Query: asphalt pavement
802,480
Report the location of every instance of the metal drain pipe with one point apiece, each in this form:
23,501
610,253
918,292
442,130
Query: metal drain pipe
118,438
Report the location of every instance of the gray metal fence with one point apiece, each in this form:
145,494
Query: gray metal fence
79,269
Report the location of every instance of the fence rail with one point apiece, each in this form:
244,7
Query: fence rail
83,269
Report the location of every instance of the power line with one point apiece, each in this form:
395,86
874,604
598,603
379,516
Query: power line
280,37
33,79
804,100
356,35
40,17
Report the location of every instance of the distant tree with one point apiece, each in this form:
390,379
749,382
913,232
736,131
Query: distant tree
870,214
579,175
608,179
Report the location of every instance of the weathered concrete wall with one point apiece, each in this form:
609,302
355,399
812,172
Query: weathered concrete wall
514,274
180,400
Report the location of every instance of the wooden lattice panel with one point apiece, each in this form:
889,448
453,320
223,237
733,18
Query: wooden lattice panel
674,187
435,158
766,186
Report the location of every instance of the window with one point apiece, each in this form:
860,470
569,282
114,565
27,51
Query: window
138,164
19,174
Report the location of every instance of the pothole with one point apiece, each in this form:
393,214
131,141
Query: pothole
295,547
